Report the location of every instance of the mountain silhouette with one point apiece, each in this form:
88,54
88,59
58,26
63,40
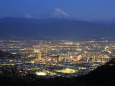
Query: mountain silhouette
54,29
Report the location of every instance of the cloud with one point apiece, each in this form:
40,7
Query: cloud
28,16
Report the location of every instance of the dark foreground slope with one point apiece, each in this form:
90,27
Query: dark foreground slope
102,76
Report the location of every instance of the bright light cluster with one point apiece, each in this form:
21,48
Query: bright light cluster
41,73
67,70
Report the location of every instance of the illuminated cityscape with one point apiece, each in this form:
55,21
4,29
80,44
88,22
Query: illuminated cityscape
57,42
52,58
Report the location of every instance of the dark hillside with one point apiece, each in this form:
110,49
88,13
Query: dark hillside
60,29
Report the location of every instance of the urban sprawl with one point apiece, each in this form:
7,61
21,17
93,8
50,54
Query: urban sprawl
54,58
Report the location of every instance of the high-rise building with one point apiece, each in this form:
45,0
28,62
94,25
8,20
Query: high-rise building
39,55
59,58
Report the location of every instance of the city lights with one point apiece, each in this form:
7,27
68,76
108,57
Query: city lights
41,73
67,70
56,57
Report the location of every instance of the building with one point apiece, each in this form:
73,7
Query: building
39,55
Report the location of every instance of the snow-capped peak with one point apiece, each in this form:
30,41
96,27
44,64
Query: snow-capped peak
58,13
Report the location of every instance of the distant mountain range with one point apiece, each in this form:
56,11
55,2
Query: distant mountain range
54,28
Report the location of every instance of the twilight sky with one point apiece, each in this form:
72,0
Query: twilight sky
80,9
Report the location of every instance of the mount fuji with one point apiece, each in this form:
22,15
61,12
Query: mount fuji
56,24
56,13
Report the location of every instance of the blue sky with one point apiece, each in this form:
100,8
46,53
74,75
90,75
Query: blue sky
80,9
